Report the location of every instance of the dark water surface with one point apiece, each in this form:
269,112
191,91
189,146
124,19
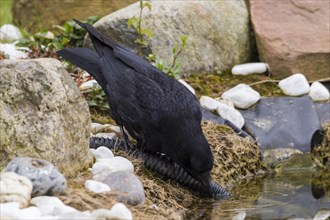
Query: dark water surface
292,194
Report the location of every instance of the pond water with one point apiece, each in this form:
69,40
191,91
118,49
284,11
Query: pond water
290,195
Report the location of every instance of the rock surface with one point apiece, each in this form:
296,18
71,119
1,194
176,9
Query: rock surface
294,37
128,183
218,32
295,85
243,96
319,92
44,176
35,14
43,115
15,188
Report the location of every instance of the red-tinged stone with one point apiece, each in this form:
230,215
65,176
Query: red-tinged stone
293,36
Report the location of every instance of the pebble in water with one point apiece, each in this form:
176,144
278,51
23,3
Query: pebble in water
295,85
15,188
45,178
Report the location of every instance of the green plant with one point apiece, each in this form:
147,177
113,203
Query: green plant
171,70
137,25
174,68
70,34
96,98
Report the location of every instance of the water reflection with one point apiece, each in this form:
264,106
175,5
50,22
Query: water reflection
292,194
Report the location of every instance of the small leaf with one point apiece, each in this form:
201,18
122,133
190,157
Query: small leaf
184,39
147,32
148,5
133,21
174,48
59,27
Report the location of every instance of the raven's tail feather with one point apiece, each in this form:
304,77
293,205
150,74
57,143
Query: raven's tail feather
85,59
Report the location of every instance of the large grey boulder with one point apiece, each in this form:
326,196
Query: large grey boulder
43,115
218,32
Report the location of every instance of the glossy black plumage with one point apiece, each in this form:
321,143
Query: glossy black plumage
156,110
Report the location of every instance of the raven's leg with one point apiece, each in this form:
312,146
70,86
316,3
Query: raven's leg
127,144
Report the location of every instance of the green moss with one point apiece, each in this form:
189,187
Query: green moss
5,12
215,84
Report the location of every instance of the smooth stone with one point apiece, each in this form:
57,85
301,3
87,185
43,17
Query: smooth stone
98,128
102,152
249,68
322,214
113,164
191,89
231,114
9,210
12,51
242,95
15,188
106,135
97,187
225,101
127,183
209,103
60,210
86,215
46,204
46,179
89,84
319,92
9,33
295,85
29,213
120,211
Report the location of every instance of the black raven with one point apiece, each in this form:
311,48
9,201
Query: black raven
156,110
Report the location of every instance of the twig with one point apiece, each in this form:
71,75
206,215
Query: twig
265,81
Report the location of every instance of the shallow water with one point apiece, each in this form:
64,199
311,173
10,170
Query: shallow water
293,194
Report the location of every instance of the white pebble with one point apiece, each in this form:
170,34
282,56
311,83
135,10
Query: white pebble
15,188
9,33
242,95
89,84
120,211
9,210
60,210
102,152
231,114
29,213
209,103
114,164
12,51
295,85
106,135
322,214
249,68
97,187
319,92
187,86
46,204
